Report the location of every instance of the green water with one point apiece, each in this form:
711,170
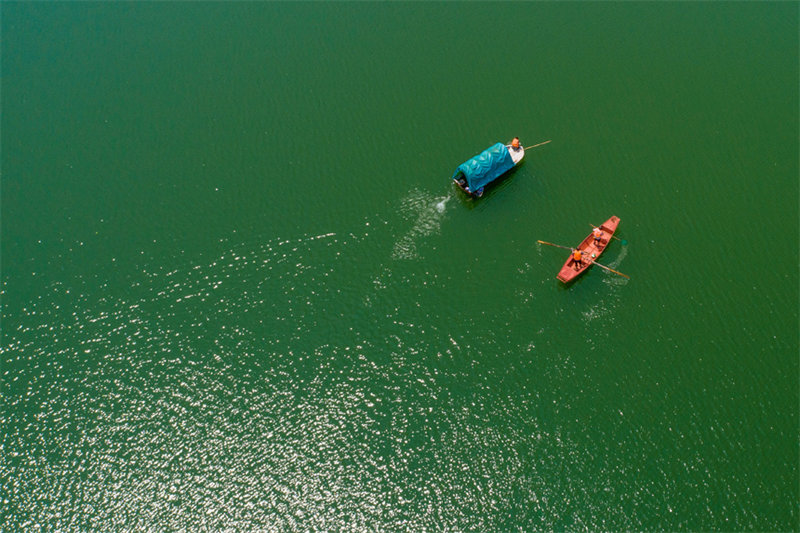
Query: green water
240,293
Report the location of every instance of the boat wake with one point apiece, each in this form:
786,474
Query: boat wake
426,211
614,279
619,258
604,307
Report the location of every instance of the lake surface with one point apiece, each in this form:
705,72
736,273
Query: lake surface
241,293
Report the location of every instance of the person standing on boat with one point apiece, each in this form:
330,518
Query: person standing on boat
577,257
515,144
598,235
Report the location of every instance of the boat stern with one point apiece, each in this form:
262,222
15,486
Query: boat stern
516,155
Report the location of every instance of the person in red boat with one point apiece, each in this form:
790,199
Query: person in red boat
598,235
577,258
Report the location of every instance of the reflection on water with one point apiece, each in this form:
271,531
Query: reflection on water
198,399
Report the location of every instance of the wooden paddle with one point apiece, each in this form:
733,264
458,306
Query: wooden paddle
623,241
610,269
557,245
535,145
591,262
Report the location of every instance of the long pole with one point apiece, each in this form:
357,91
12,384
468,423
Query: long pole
535,145
556,245
610,269
592,262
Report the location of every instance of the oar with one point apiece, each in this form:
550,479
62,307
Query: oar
535,145
610,269
623,241
557,245
592,262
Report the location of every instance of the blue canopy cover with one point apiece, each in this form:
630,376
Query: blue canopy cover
486,166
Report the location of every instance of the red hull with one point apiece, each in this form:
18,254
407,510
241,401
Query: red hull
588,247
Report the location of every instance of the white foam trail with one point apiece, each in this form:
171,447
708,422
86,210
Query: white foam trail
614,264
429,215
604,307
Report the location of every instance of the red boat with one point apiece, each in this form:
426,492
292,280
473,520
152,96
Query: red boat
590,251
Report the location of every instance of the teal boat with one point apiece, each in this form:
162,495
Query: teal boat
473,175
